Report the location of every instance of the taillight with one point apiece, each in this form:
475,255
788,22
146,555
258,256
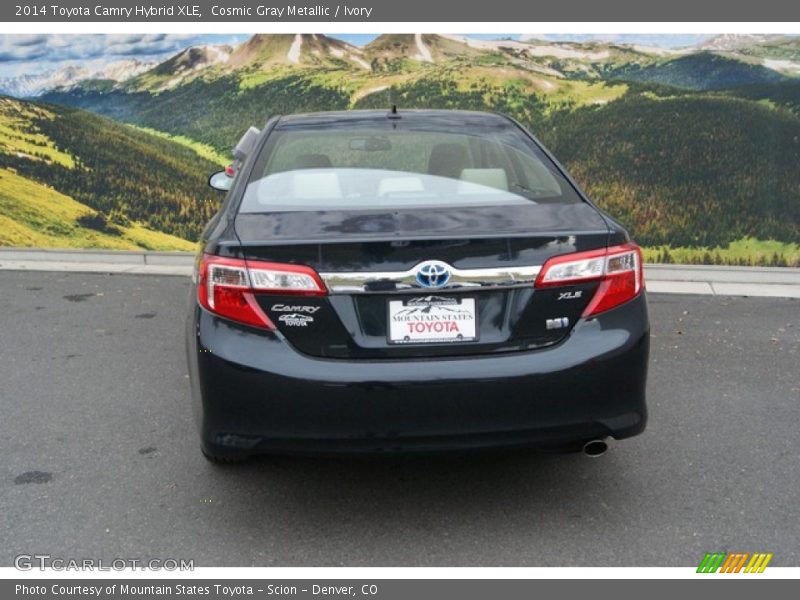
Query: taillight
618,269
227,286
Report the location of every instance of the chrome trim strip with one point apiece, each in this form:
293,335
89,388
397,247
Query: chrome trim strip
461,280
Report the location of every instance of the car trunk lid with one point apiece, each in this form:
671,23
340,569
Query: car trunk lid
370,262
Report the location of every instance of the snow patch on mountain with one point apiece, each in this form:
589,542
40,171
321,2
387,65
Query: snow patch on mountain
360,62
29,86
486,44
294,50
735,41
661,50
532,48
218,54
782,66
423,52
566,52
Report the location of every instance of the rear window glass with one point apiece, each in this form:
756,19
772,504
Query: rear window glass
392,167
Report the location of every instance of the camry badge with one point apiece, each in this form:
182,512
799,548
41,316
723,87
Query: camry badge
302,308
433,274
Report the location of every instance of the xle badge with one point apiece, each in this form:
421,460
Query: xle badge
570,295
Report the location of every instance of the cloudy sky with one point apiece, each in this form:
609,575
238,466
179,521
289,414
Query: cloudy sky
32,54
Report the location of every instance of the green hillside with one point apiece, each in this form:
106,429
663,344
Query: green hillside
781,48
729,171
785,94
34,215
697,151
121,181
213,112
701,71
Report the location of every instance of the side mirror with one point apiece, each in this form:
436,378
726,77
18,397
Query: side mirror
246,144
221,181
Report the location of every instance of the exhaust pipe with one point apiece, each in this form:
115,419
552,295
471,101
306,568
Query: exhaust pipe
596,448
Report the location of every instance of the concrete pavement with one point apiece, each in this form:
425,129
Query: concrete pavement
101,458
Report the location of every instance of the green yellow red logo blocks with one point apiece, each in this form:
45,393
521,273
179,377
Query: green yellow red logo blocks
734,562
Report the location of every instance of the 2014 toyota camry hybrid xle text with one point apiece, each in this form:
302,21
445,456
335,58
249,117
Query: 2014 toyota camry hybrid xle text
411,280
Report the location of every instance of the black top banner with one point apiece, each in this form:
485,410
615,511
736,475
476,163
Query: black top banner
399,11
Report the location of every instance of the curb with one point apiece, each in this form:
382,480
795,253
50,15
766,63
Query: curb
709,280
770,282
104,257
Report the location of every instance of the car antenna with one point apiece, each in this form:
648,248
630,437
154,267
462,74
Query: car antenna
393,113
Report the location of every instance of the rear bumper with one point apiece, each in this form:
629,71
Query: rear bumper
254,393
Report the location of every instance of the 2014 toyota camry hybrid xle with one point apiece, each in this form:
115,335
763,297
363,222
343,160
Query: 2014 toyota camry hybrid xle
411,280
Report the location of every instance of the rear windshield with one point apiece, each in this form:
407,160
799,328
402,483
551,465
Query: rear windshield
390,166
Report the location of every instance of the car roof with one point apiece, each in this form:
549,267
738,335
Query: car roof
349,118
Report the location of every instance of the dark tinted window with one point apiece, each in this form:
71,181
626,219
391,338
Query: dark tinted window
396,165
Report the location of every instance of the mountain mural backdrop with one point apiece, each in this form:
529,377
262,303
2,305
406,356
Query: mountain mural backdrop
696,150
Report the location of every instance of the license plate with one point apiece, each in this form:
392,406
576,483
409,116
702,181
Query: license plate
432,320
